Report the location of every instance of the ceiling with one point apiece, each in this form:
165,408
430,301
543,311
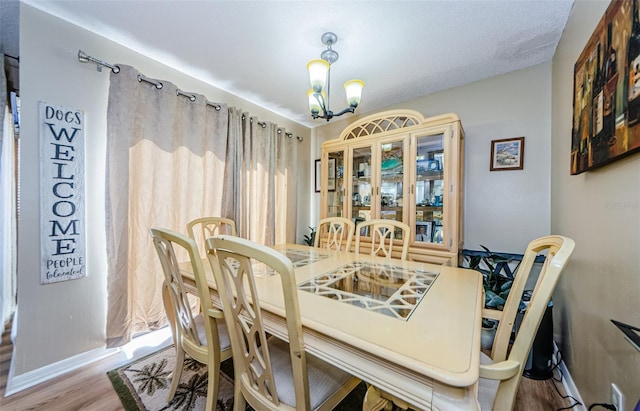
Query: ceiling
258,50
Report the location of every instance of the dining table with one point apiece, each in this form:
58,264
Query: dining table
410,329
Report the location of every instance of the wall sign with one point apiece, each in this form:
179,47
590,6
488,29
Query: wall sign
62,191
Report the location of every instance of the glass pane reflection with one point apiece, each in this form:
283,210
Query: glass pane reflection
300,258
384,288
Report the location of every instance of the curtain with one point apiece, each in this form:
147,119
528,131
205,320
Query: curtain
3,100
165,167
7,205
264,162
171,160
286,193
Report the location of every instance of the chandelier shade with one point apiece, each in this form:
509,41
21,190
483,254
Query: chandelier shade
318,73
320,81
315,105
354,92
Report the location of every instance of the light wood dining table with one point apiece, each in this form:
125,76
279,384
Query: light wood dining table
411,329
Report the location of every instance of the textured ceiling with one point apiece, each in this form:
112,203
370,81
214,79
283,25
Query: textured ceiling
258,50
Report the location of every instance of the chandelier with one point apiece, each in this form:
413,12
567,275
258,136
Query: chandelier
320,77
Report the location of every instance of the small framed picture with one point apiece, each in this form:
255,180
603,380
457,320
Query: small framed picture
507,154
423,231
438,234
331,174
433,165
317,175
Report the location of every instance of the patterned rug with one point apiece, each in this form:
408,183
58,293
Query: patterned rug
144,385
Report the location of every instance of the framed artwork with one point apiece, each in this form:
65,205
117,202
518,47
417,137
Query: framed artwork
606,91
423,231
507,154
438,234
317,175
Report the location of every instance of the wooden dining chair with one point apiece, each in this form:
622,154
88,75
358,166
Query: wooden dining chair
500,372
334,233
203,337
270,374
382,234
202,228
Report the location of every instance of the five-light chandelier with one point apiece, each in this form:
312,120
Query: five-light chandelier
320,77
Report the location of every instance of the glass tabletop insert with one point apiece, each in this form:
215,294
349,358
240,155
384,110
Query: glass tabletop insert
300,258
384,288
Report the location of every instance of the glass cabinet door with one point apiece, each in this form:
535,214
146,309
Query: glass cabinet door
391,181
335,184
361,185
430,195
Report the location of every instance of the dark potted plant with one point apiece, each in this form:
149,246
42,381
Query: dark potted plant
310,238
497,280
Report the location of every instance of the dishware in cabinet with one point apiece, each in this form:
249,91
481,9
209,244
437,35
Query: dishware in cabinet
332,185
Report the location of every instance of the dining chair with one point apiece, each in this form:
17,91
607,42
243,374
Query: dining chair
202,228
270,374
334,233
383,233
500,372
203,337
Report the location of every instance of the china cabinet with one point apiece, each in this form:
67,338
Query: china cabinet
400,165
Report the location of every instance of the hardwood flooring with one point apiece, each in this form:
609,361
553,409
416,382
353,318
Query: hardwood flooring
89,388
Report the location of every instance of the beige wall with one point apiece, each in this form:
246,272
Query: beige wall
58,321
504,210
601,211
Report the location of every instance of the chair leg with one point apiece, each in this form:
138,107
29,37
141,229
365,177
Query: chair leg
239,403
374,402
212,387
177,372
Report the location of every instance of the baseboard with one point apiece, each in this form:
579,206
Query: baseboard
567,382
40,375
136,348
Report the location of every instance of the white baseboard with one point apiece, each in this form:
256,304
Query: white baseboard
567,382
136,348
40,375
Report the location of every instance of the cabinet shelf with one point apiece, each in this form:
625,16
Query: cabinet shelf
428,208
430,176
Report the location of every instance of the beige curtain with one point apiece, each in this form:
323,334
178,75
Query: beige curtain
264,160
7,204
171,160
3,98
286,193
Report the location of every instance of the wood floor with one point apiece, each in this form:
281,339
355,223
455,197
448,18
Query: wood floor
88,388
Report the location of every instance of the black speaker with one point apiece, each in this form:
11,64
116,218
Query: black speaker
539,364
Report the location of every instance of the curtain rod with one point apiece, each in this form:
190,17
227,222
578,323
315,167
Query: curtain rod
263,124
85,58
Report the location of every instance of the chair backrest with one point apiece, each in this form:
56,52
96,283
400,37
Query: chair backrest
232,260
173,248
334,233
558,250
383,234
202,228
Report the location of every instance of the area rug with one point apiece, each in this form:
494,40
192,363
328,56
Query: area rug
144,385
